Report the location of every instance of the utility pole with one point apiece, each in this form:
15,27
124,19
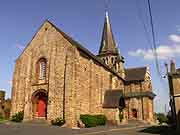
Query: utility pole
171,94
165,110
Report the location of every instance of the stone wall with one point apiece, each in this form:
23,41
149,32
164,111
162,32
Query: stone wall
92,82
48,44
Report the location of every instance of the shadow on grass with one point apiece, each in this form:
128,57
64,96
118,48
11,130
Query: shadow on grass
161,130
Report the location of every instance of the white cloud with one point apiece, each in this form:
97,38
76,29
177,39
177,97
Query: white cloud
174,38
163,52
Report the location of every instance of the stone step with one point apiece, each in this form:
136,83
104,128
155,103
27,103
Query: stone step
37,121
137,122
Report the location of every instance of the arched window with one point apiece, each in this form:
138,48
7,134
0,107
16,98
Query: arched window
41,67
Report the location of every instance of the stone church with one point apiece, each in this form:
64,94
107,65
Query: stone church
56,76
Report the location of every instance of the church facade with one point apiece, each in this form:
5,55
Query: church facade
56,76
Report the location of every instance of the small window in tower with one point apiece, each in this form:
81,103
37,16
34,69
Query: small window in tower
149,86
116,59
112,60
106,60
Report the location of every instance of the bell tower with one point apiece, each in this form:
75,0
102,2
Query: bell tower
108,51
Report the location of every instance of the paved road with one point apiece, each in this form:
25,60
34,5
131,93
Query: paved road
36,129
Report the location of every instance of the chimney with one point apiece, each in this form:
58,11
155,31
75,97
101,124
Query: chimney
2,95
172,66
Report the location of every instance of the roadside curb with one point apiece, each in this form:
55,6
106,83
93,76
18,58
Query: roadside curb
113,129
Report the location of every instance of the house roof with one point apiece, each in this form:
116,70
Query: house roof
112,99
135,74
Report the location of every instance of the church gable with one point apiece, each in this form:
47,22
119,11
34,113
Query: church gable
45,37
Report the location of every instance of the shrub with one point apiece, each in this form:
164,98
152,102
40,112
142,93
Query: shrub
88,120
161,118
18,117
58,122
93,120
1,118
101,119
121,117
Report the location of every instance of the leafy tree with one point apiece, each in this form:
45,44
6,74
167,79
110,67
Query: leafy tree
162,118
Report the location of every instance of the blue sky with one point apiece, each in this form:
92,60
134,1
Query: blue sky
83,20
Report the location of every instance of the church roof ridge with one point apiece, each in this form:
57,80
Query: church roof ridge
85,50
136,68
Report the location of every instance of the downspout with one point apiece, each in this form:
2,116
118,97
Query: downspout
64,87
48,80
142,102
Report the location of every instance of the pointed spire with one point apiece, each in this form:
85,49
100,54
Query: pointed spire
108,44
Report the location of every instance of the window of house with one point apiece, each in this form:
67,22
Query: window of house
42,69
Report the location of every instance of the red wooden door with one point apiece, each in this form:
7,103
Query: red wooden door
41,108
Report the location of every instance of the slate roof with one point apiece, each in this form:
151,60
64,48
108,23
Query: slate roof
135,74
112,98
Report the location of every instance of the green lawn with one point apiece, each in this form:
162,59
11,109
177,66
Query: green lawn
2,120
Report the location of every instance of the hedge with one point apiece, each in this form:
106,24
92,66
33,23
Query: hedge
93,120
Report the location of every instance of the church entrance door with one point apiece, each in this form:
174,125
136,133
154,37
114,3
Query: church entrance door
39,100
134,113
41,106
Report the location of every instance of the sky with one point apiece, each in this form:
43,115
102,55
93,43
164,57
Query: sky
83,20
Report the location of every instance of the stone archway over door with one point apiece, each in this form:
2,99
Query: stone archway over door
39,100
